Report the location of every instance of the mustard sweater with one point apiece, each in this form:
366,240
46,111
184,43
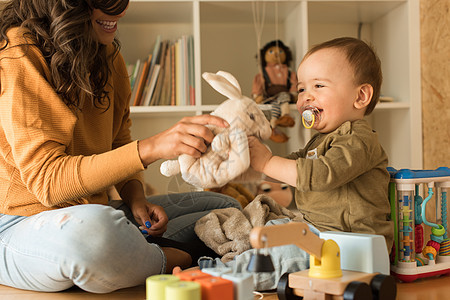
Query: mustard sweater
51,156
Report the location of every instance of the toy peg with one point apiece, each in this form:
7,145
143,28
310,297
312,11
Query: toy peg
296,233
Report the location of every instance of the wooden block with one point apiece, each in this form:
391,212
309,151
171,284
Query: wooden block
192,275
217,272
216,288
243,285
183,290
156,286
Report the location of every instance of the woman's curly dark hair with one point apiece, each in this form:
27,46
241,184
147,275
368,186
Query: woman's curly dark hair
63,31
275,43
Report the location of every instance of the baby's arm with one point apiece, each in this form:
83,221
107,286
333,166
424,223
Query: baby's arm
282,169
262,160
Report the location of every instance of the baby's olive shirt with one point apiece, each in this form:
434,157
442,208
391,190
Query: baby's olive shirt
342,181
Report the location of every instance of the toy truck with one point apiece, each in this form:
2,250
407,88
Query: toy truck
364,273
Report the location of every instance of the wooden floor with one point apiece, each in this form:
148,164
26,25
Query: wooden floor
426,289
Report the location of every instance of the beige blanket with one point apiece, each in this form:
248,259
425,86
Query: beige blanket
227,230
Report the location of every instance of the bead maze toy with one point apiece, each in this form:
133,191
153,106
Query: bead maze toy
330,276
410,258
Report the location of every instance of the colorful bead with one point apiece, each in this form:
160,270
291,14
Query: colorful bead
429,250
434,244
440,231
420,262
445,248
419,238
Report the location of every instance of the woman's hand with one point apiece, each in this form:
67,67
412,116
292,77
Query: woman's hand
259,154
188,136
153,218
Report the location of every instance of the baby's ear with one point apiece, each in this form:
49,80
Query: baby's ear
365,94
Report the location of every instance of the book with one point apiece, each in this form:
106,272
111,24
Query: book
141,83
191,69
166,85
156,51
154,61
136,73
167,77
185,67
151,85
172,75
182,72
132,70
159,82
178,73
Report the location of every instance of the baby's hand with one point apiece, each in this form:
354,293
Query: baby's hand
259,154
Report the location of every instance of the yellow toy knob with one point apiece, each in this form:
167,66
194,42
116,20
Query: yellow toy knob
329,266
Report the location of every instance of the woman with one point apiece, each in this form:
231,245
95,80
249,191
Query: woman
65,139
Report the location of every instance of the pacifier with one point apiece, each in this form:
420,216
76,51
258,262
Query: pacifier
309,116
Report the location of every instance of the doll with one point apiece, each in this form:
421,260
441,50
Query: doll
278,191
277,85
244,193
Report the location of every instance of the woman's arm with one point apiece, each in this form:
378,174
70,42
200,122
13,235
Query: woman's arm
152,217
188,136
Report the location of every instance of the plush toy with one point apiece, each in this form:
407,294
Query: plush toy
278,191
276,85
236,190
228,157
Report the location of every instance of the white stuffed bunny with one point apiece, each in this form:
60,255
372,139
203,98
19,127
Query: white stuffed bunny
228,157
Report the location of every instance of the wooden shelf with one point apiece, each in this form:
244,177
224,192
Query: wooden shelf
225,39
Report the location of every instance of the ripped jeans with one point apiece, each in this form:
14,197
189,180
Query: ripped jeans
96,247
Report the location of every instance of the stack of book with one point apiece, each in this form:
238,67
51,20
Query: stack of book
166,77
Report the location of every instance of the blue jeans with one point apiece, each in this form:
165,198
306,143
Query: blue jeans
96,247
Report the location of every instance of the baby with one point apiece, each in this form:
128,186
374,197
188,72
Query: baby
340,176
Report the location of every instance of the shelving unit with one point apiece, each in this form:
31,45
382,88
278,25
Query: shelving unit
225,39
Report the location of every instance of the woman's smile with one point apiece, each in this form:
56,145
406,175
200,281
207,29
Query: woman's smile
108,26
105,26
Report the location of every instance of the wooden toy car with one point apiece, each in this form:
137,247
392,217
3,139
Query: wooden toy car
325,279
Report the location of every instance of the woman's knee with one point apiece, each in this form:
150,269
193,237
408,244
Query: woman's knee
90,229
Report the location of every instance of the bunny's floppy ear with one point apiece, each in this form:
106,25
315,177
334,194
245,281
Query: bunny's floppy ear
230,78
224,83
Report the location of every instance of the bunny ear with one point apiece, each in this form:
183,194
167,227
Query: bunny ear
231,79
224,83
